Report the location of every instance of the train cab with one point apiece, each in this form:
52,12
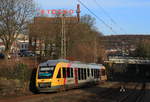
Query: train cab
49,76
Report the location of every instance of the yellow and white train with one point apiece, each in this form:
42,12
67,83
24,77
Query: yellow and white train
55,75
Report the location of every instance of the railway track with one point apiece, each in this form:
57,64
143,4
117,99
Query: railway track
135,95
96,93
141,95
37,97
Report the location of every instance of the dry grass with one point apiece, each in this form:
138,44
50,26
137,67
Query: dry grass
15,75
29,61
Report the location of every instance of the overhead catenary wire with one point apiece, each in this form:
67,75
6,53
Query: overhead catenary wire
101,20
108,15
112,20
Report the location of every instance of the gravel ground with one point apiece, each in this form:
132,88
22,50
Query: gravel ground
106,92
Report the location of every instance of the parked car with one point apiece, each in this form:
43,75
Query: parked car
26,54
2,56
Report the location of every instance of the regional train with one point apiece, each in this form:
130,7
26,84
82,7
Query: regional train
56,75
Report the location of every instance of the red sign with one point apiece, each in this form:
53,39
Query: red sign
59,11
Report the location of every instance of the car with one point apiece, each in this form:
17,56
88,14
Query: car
2,56
26,54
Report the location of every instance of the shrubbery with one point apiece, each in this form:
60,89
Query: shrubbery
15,79
19,71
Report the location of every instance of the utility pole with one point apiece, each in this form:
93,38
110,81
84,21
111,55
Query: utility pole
63,34
63,39
78,12
95,49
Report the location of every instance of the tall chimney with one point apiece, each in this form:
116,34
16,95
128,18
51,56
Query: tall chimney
78,12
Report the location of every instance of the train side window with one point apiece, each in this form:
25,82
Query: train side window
95,73
79,71
82,74
85,74
71,72
64,72
68,72
59,74
92,72
88,72
98,73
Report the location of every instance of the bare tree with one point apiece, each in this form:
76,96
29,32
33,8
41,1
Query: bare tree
14,17
82,39
89,20
48,31
83,42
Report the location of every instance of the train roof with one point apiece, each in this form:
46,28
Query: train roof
53,62
82,65
74,64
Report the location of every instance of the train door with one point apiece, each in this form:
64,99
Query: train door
76,77
59,77
68,77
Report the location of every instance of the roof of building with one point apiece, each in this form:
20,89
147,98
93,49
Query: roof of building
43,20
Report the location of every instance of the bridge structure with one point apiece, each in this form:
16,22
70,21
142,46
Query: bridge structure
127,60
128,68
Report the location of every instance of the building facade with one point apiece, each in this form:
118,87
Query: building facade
45,33
122,43
21,43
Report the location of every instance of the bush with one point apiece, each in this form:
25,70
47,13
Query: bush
17,79
20,72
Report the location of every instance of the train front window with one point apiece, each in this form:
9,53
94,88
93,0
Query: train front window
46,72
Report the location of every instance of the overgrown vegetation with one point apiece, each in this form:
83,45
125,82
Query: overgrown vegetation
20,72
82,39
14,17
143,49
15,80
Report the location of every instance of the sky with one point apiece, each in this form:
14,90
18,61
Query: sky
122,16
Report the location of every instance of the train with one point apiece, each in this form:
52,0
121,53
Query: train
61,74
